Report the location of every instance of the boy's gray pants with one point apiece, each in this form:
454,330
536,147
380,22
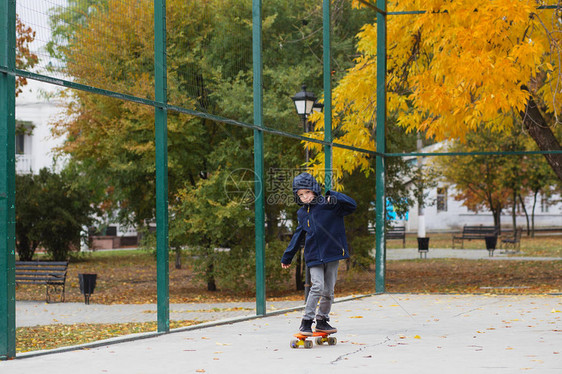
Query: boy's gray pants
323,280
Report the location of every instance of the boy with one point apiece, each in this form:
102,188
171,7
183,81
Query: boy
321,227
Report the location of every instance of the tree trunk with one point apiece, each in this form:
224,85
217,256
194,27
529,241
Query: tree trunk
178,258
211,284
542,134
514,211
496,217
497,212
526,214
533,215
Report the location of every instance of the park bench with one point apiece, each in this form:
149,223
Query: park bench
513,242
474,232
397,232
50,273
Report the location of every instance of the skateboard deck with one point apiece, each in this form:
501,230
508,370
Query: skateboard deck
320,338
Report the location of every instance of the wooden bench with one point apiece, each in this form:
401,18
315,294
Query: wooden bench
397,232
474,232
513,242
50,273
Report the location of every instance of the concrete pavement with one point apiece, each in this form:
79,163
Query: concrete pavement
382,333
398,333
33,313
469,254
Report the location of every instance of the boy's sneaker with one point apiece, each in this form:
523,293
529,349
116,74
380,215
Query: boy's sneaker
322,325
306,327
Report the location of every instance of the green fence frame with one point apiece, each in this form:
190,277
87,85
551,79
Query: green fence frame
8,72
7,180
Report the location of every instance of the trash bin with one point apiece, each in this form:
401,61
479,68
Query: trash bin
491,242
423,246
87,285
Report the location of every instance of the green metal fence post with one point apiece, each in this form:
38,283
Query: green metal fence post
380,257
161,144
7,180
327,27
258,158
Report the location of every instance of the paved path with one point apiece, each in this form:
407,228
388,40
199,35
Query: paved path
470,254
378,334
32,313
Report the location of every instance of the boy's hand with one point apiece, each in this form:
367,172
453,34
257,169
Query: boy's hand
285,266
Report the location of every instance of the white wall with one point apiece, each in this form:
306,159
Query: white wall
35,104
458,215
32,106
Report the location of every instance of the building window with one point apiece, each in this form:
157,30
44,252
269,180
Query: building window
20,141
442,199
544,204
23,128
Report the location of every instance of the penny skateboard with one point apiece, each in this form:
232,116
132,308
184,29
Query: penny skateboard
321,338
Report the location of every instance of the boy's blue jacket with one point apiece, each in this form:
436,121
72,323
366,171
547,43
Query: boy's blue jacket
320,225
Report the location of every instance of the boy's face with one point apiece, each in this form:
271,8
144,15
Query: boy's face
306,196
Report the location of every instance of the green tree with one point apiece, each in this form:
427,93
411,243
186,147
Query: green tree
478,179
209,59
27,216
52,211
208,222
64,22
209,68
114,140
541,181
498,182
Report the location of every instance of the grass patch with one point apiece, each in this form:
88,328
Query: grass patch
129,277
58,336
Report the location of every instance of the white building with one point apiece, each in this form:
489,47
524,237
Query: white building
35,112
37,109
447,214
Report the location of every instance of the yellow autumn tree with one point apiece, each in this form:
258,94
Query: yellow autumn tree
459,66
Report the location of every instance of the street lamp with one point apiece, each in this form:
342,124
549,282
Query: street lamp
305,104
318,107
304,101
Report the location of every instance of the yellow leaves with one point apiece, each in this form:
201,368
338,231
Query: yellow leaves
357,4
403,337
462,64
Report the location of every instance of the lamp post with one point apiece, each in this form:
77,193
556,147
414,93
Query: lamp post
318,107
305,103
